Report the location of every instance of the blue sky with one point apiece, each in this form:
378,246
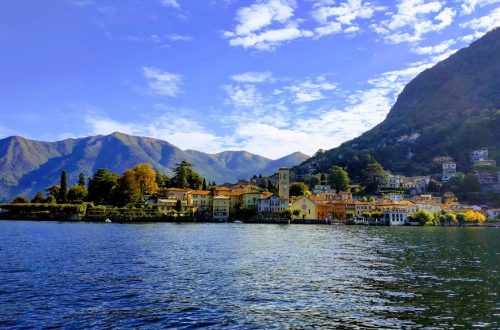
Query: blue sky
270,77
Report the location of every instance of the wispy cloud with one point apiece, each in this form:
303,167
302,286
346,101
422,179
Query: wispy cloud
481,25
162,82
469,6
436,49
253,77
170,3
414,19
346,14
310,90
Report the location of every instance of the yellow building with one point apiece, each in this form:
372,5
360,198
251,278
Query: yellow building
235,200
220,207
307,207
201,200
250,200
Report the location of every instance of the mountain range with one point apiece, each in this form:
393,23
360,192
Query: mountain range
28,166
447,110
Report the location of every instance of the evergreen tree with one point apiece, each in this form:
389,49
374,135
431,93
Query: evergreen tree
102,185
374,176
338,178
81,180
63,192
323,178
204,184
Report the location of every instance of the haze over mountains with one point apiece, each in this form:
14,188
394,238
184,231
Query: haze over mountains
28,166
447,110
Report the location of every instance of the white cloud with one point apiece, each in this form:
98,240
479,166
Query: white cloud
262,14
310,90
327,29
162,82
346,12
170,3
265,25
414,19
436,49
469,6
268,40
484,23
243,96
253,77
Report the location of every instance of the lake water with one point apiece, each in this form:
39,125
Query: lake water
80,275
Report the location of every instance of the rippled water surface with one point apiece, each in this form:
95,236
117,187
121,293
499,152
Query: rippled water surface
79,275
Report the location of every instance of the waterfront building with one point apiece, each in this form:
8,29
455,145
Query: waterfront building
174,193
273,204
306,206
235,200
167,205
493,213
220,208
396,216
201,200
250,200
284,183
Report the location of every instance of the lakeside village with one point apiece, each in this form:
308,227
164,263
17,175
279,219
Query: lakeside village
142,194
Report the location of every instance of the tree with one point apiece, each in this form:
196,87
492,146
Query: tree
434,186
185,177
298,189
323,178
450,218
53,191
204,187
128,189
374,176
77,194
474,217
423,217
338,178
178,206
313,181
102,185
81,180
39,198
63,192
471,183
20,200
145,176
271,187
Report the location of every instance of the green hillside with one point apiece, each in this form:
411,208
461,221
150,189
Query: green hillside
447,110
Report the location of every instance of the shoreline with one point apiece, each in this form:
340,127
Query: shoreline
179,220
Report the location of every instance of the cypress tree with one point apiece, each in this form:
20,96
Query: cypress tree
63,192
204,184
81,180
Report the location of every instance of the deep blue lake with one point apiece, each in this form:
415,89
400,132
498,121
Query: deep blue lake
80,275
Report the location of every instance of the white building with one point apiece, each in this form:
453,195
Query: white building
493,213
449,170
323,189
396,217
479,155
273,204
